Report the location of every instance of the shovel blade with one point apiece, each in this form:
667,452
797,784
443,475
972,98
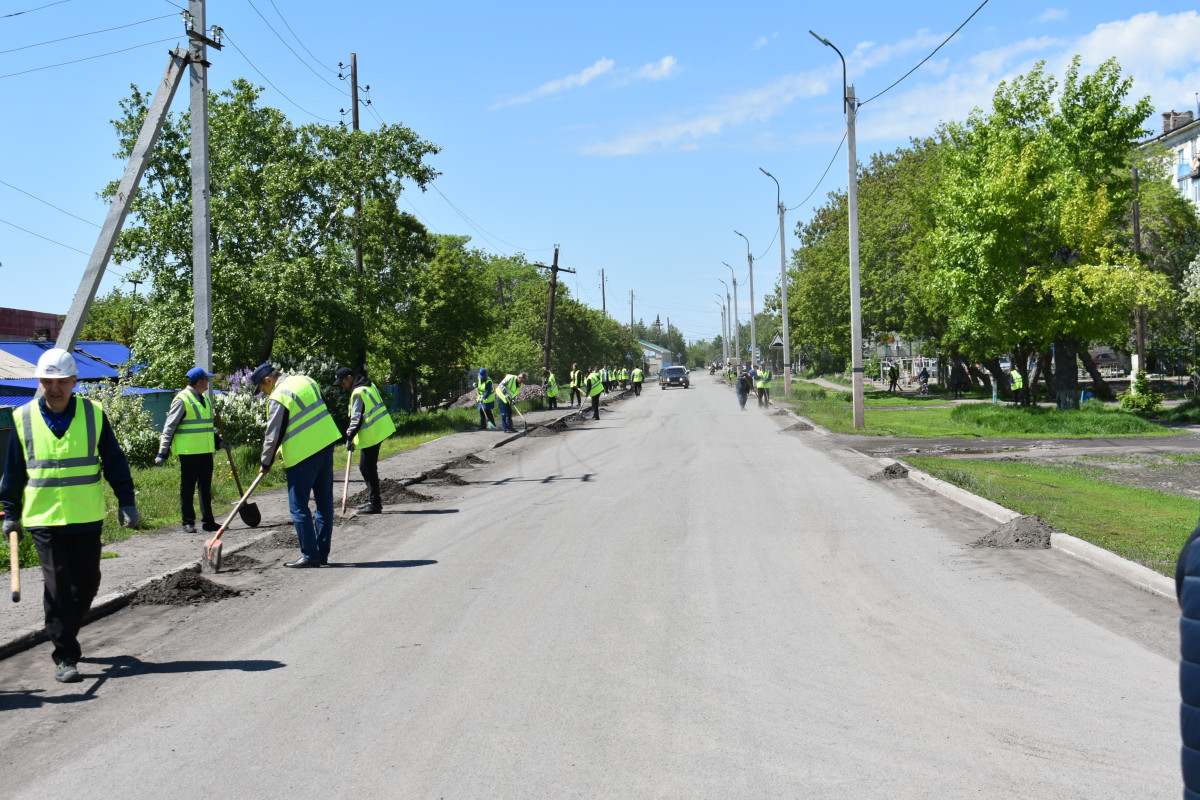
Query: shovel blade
210,559
250,514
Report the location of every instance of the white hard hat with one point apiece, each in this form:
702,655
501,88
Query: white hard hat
56,363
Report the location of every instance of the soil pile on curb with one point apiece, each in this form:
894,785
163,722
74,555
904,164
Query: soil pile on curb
528,391
447,477
544,430
799,426
281,540
239,561
469,460
1022,533
779,412
890,473
392,492
181,589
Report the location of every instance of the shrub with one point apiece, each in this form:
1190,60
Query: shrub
1139,399
243,417
131,423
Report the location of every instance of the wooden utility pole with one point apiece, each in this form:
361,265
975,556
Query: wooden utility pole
603,304
358,257
1139,324
631,310
554,270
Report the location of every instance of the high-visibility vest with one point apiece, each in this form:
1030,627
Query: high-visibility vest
487,392
310,429
594,384
195,433
552,391
624,374
377,423
1017,381
64,474
637,374
509,389
764,379
576,378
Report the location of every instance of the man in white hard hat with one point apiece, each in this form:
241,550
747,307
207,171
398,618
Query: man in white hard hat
63,444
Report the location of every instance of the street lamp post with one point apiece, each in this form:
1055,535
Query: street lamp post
783,288
850,106
728,321
737,326
724,337
753,330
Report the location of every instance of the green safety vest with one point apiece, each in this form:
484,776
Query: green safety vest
623,375
764,379
310,429
637,375
64,474
195,433
487,392
1017,381
594,385
576,378
553,390
377,423
509,389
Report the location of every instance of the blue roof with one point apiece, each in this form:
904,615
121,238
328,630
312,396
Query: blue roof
20,383
14,401
90,368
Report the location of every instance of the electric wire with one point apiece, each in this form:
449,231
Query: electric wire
298,40
47,202
774,236
89,58
29,10
321,78
483,232
926,58
404,197
823,174
46,238
273,86
81,35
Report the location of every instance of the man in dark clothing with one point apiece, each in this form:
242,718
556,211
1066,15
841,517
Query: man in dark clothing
61,447
594,385
745,385
189,428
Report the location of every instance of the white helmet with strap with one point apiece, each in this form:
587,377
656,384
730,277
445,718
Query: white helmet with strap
56,363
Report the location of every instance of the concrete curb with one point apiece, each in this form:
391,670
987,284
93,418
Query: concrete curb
1131,572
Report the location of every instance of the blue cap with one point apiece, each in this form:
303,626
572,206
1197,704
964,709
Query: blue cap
482,372
197,373
260,374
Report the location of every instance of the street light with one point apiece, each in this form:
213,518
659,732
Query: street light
737,326
753,330
724,337
783,285
850,106
728,318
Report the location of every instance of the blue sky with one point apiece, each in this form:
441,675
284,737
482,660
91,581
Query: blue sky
629,133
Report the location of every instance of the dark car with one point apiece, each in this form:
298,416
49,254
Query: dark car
673,376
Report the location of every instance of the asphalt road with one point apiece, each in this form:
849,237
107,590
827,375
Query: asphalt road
680,601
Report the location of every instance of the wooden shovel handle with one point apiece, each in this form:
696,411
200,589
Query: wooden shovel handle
15,561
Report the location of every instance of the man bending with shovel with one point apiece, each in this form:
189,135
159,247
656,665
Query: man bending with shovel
189,429
370,424
299,427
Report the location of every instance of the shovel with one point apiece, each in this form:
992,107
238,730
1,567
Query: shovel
249,513
346,482
13,540
210,557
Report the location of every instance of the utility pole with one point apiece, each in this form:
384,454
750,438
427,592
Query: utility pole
201,191
554,270
1139,323
603,302
753,329
631,310
860,416
783,288
737,326
358,257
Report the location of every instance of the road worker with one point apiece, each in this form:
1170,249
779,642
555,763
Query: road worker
190,433
594,386
576,385
370,425
506,395
487,399
762,382
550,385
637,381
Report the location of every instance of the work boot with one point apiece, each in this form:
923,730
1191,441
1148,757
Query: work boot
189,527
67,673
208,526
370,508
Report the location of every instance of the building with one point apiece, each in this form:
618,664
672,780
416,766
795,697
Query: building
21,325
654,358
1181,137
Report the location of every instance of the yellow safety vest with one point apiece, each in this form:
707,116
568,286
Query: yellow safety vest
553,390
764,379
310,429
1017,381
594,385
509,390
377,423
576,378
637,375
195,433
487,392
64,474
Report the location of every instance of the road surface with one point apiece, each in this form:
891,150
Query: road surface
683,600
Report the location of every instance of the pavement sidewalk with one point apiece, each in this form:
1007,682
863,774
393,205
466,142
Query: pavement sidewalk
153,555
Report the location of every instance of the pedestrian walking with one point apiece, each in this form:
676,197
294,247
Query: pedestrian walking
958,378
550,386
506,395
594,384
300,429
51,487
637,381
487,399
576,385
370,424
763,385
189,431
744,386
893,377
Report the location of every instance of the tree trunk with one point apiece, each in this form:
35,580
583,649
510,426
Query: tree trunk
267,343
1066,377
1047,372
979,377
992,365
1102,389
1033,379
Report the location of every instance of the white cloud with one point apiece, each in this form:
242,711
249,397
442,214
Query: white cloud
869,54
558,85
760,43
1051,15
659,70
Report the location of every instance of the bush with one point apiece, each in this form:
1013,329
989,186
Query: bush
1139,399
243,417
131,423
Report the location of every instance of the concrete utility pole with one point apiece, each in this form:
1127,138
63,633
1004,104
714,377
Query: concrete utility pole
631,310
603,302
554,270
358,257
753,329
737,326
201,190
1139,323
728,317
115,220
783,288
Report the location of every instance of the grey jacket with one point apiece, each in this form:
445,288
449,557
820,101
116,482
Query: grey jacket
175,416
277,420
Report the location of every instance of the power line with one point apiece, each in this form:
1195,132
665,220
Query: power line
484,232
89,33
47,238
39,8
272,85
310,52
337,89
47,202
90,58
404,197
774,236
926,58
823,174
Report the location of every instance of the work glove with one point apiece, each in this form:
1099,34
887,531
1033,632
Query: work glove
349,444
159,460
128,516
13,525
227,447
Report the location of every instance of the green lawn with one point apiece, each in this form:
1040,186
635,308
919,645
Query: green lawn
1142,525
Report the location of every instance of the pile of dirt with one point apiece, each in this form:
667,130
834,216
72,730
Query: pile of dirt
529,391
280,540
1023,533
779,412
239,560
181,589
799,426
445,477
890,473
392,492
544,430
469,460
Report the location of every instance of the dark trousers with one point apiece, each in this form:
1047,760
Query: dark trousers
577,394
485,416
551,402
195,470
596,407
368,465
71,578
637,388
312,477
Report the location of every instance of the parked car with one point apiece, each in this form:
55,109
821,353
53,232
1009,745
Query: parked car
673,376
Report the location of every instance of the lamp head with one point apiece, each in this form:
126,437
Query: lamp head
819,39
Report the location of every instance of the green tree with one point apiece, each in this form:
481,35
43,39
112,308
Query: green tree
114,318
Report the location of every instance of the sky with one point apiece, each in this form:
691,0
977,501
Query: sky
630,134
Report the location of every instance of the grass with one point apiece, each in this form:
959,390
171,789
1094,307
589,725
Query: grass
1185,414
971,420
158,487
1142,525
